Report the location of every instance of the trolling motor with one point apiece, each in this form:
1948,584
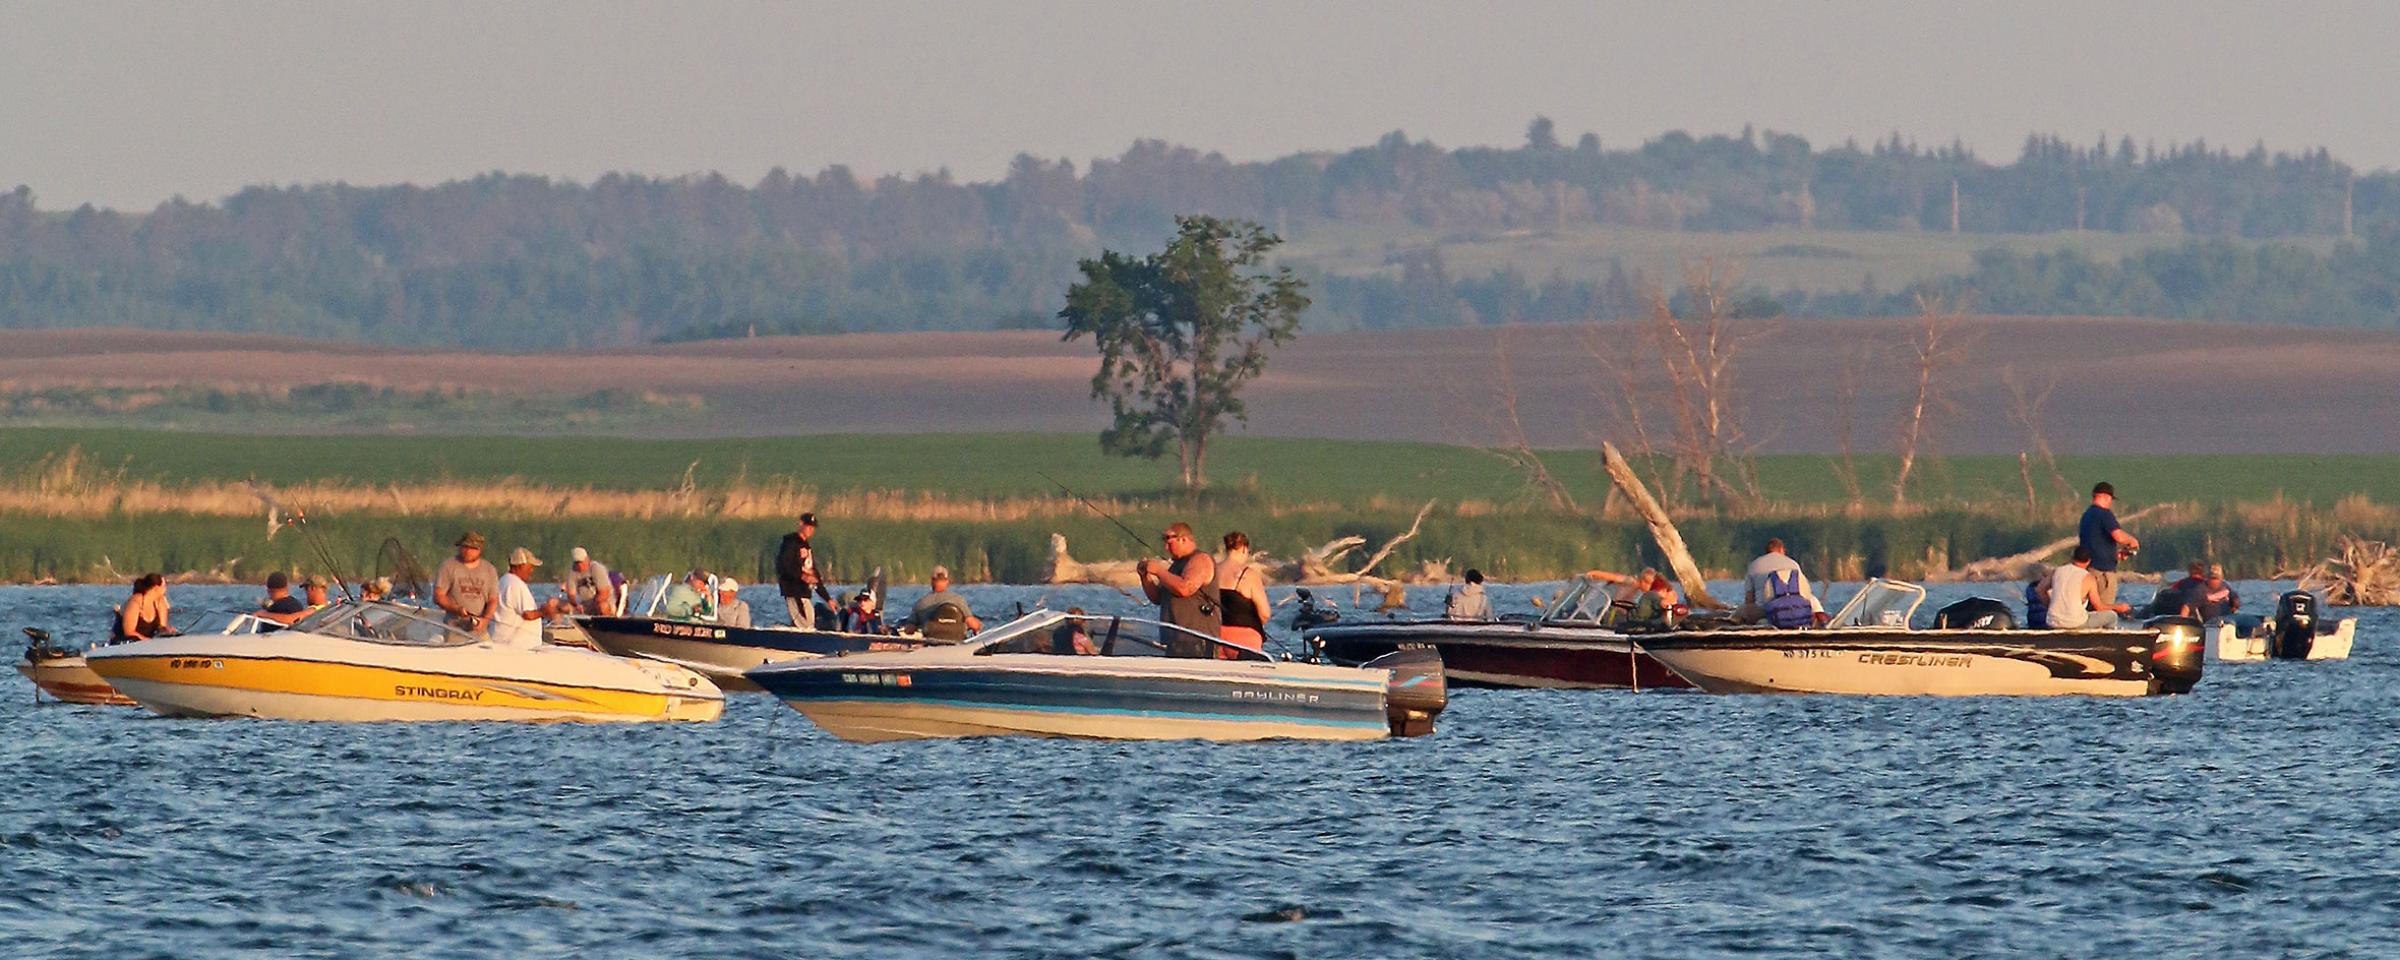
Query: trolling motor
2177,655
1312,613
2295,626
40,648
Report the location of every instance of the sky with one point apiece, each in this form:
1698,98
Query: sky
125,104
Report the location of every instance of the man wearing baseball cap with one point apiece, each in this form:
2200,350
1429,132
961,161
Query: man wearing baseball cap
797,575
586,586
2098,532
280,606
466,585
731,611
518,622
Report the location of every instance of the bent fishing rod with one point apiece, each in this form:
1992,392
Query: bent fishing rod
1138,542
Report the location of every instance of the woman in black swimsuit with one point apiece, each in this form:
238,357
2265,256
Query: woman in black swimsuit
144,614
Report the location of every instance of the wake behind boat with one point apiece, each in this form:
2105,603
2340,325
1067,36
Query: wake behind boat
1869,648
1052,674
385,661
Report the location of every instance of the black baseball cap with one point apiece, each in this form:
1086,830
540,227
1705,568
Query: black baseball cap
808,519
2103,487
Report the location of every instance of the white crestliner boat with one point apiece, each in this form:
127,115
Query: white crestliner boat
1869,648
384,661
2297,631
1136,679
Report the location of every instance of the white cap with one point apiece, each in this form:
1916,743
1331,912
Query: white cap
728,585
580,554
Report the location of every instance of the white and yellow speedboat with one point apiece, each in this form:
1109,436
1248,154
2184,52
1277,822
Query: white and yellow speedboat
381,661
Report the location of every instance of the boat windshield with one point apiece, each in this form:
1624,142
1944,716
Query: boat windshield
1088,635
1881,603
385,623
1586,601
647,595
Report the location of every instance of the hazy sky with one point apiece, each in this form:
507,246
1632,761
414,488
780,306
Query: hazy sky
124,104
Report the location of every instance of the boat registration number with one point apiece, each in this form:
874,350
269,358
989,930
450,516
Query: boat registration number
878,679
687,630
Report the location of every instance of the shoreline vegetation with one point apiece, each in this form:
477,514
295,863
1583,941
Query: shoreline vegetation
100,506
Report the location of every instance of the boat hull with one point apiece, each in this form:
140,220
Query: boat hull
1913,663
277,676
2232,647
1508,654
1153,700
724,653
71,680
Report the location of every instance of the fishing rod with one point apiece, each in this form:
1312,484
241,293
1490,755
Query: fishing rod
1138,543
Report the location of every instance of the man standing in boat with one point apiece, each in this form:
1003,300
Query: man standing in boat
1185,585
518,619
466,586
1776,592
797,575
2108,542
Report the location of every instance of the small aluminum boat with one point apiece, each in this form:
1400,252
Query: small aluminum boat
1050,674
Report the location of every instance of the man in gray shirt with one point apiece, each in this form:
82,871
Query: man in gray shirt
922,616
1758,586
1467,601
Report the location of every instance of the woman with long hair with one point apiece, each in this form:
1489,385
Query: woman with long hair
144,614
1242,592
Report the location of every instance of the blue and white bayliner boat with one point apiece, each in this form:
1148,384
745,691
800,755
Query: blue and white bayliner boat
1050,674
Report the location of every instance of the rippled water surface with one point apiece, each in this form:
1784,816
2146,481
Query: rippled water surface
2257,817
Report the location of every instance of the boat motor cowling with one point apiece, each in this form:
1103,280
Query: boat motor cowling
1975,613
1417,691
2177,655
2295,626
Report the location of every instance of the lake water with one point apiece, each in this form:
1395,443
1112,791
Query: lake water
2257,817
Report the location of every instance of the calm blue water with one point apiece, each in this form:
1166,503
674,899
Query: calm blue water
2257,817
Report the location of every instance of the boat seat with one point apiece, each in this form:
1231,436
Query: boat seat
946,622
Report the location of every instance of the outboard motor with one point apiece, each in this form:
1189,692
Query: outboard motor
1311,613
2176,656
1416,693
2295,626
40,648
1975,613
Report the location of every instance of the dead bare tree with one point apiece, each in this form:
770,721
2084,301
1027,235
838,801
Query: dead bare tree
1845,413
1516,449
1698,354
1935,347
2026,409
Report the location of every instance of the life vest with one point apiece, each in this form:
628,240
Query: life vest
1785,608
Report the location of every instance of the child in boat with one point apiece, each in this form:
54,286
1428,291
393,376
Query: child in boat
861,616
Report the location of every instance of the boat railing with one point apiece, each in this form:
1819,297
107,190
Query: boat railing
1880,604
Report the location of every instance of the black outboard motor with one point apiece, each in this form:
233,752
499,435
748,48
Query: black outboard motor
2176,656
1311,613
1975,613
2295,626
41,648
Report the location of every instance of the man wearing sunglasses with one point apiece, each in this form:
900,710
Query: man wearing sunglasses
1184,586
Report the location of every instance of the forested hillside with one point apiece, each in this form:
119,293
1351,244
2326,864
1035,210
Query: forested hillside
519,262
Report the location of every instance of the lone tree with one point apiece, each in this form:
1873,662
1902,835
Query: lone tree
1180,331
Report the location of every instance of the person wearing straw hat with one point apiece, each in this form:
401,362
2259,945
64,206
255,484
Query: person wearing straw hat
731,611
466,586
518,622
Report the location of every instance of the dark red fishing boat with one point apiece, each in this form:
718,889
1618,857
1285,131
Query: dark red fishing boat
1571,647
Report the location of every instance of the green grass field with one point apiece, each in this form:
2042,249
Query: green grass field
1251,469
1816,261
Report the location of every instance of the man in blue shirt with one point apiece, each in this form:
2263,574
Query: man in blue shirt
2107,541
